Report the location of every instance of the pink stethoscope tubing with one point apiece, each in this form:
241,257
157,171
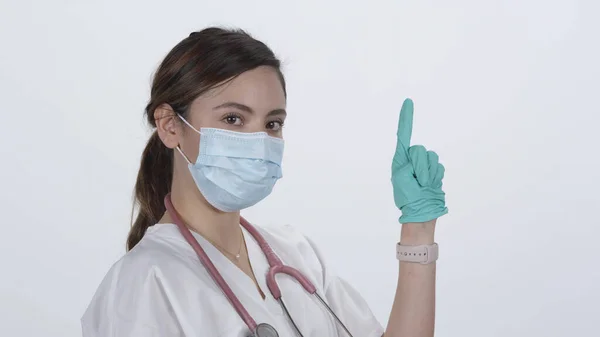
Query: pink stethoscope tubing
275,267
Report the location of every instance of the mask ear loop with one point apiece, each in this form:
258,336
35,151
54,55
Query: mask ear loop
179,148
183,155
188,124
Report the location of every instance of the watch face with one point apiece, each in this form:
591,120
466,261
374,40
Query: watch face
265,330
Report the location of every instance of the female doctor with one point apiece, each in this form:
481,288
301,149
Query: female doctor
195,267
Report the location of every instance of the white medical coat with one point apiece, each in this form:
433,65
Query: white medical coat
160,288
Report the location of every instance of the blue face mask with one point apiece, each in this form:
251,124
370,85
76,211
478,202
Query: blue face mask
235,170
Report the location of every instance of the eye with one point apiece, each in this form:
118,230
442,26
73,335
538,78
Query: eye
233,119
275,125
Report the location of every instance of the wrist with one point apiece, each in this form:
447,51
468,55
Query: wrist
421,233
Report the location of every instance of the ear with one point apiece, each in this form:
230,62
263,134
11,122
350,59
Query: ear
167,125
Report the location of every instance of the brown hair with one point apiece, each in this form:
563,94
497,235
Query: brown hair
195,65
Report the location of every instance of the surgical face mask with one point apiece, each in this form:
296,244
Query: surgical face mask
235,170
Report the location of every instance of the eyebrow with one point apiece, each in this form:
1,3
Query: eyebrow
248,109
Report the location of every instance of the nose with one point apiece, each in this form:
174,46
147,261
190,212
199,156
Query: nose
254,125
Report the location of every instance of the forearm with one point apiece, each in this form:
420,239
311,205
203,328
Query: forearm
413,311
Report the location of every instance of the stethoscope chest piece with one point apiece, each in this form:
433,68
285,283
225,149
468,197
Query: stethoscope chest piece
265,330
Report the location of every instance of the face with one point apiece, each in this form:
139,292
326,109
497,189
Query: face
252,102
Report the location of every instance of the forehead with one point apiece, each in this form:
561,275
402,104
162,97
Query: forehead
260,89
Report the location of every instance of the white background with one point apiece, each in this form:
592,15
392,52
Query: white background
506,92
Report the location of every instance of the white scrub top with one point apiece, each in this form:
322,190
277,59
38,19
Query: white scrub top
160,288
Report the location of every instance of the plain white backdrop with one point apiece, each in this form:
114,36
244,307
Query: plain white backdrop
506,92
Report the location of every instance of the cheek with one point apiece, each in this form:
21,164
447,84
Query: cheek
190,145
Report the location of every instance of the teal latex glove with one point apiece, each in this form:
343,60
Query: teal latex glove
416,175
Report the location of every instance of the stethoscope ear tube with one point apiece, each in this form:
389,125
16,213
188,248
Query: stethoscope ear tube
276,266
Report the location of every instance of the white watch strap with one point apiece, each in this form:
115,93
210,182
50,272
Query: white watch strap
423,254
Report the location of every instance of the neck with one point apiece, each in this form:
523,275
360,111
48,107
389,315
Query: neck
223,229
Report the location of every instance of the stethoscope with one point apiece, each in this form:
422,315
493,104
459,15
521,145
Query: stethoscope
275,267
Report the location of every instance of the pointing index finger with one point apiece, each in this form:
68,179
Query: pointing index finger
405,123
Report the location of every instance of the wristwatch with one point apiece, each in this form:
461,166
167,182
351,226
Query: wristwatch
423,254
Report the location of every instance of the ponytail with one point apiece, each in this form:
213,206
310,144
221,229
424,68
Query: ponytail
152,185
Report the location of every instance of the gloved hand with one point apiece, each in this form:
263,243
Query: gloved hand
416,175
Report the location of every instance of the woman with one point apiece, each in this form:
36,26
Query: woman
194,266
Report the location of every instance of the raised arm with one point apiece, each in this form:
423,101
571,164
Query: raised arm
417,183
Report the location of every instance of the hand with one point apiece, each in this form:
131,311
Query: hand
416,175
